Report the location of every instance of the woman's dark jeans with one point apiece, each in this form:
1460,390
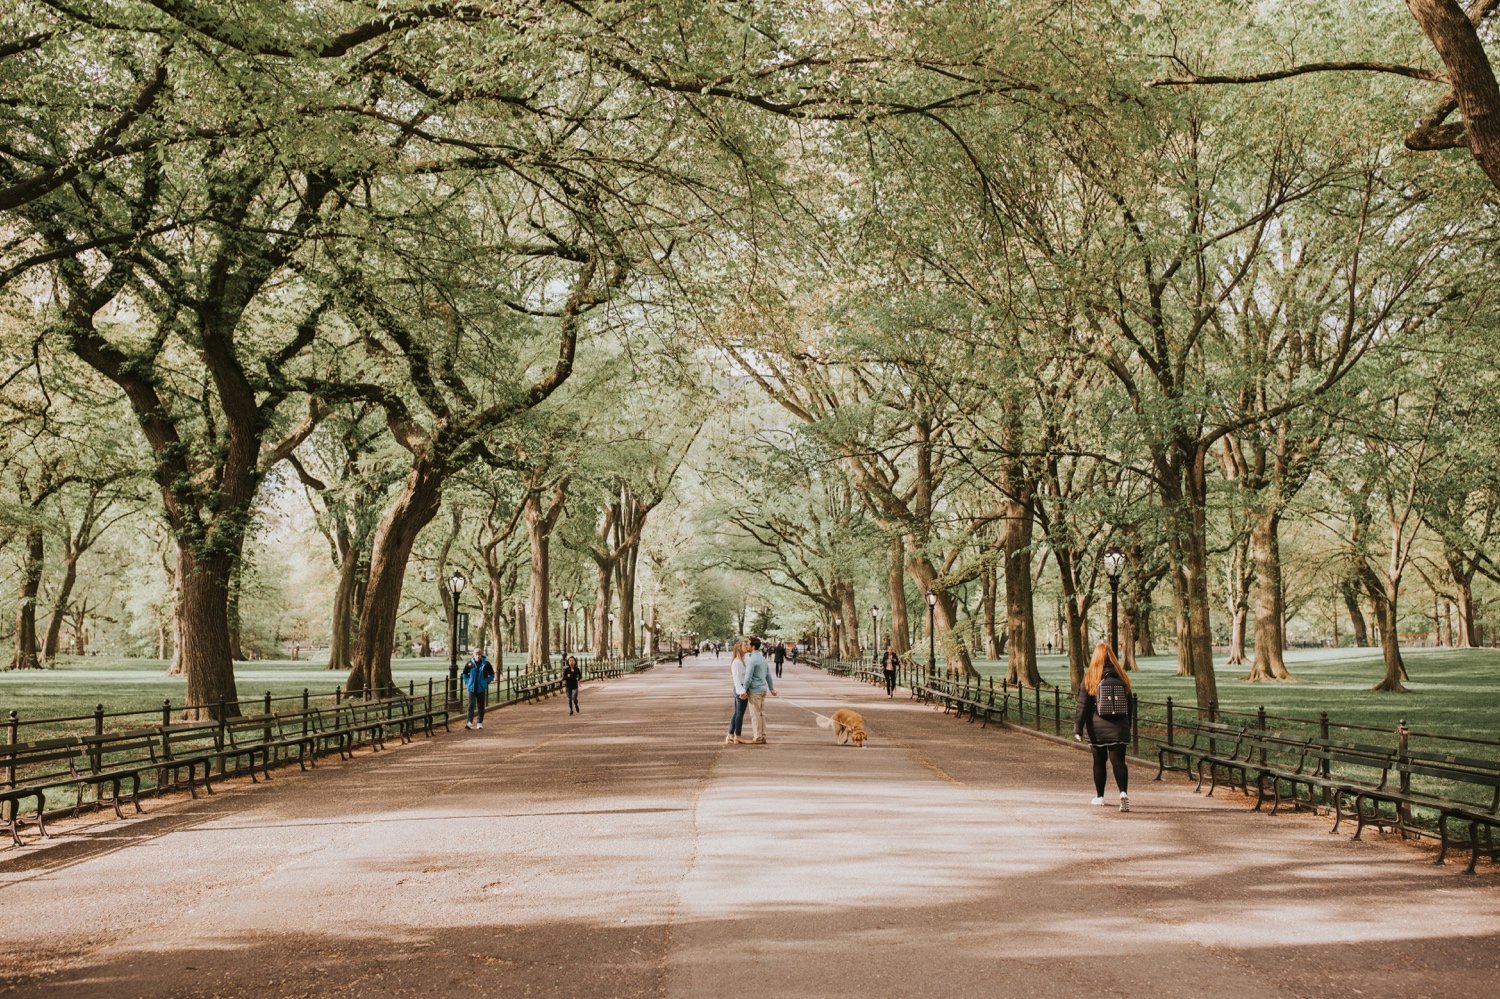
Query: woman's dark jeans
737,720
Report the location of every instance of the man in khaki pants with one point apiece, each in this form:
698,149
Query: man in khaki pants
757,684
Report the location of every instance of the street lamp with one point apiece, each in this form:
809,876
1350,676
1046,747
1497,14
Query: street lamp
931,632
455,586
837,623
1114,561
609,641
567,605
875,632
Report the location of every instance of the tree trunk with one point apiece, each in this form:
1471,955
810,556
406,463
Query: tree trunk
1356,616
412,510
345,626
1461,630
25,655
989,592
80,631
1237,622
203,634
1460,46
1073,619
955,652
538,534
849,648
232,615
1187,510
1236,598
1020,610
1145,636
603,594
1130,634
53,640
1270,601
625,570
895,586
1383,596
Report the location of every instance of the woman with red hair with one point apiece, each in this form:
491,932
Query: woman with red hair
1103,713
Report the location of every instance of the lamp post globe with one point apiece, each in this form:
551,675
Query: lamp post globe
1114,562
456,583
875,633
931,633
567,605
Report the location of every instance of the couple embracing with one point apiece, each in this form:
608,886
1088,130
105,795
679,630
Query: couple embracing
751,674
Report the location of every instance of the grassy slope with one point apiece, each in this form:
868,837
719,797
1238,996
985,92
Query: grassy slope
1453,692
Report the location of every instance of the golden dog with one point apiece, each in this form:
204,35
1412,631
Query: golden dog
848,727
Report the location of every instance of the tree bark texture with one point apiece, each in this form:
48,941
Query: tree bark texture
26,651
1270,601
203,634
413,509
1020,610
1459,45
895,586
53,641
1357,623
989,587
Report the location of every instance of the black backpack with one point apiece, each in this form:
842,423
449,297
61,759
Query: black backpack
1112,699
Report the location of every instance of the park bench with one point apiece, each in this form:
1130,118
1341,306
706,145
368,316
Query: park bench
188,746
1261,757
1331,771
1209,744
1458,788
39,767
115,757
268,736
424,715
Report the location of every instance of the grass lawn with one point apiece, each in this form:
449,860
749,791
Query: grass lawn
1453,691
75,685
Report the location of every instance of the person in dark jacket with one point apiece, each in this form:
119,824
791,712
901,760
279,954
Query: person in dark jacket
477,676
778,656
1105,689
888,663
572,676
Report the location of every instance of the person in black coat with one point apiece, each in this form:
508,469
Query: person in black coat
572,676
888,663
1103,714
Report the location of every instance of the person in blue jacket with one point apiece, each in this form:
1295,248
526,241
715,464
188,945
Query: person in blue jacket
477,676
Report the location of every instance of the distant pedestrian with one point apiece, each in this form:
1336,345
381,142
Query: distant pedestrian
477,677
1103,713
679,656
741,696
778,656
572,676
758,684
888,663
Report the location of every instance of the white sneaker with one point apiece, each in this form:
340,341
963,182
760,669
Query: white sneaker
467,725
1097,801
1124,802
480,725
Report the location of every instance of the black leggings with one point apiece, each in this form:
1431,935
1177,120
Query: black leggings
1116,755
890,683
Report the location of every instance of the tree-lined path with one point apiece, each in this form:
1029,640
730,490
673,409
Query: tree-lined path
626,852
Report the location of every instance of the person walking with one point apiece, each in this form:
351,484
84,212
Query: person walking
758,684
888,663
1103,713
778,656
679,655
572,676
477,676
741,696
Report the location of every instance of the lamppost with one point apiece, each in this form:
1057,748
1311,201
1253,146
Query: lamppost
609,641
455,586
931,632
1114,561
837,623
875,633
567,605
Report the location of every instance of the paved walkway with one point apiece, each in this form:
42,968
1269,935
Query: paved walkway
626,852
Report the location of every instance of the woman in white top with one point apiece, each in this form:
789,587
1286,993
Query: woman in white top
741,696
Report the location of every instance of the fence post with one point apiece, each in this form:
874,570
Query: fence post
268,703
305,698
1401,751
12,729
1036,694
338,695
166,719
1057,711
1323,769
94,757
1169,720
1135,723
1260,722
429,691
1213,712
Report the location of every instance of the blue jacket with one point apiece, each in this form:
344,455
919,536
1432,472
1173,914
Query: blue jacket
477,675
758,674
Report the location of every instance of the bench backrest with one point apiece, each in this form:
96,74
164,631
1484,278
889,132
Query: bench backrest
1444,775
41,760
113,749
182,739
